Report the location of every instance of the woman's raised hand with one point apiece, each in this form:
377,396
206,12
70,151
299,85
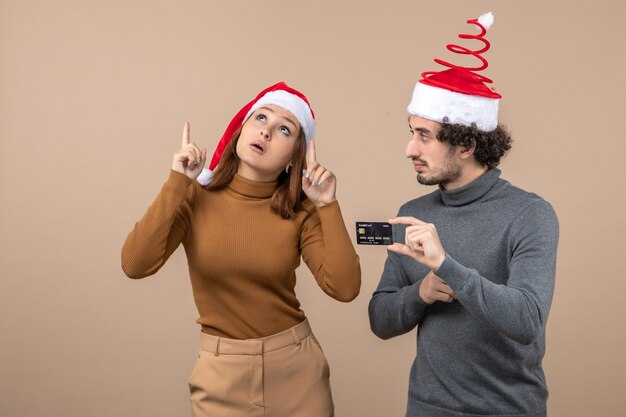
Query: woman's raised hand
318,183
189,160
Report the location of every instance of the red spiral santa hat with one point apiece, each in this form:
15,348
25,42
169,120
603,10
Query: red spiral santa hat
279,94
459,94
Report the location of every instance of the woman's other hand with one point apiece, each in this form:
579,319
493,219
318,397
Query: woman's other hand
318,183
189,159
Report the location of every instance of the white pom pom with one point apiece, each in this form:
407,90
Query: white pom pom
205,177
486,19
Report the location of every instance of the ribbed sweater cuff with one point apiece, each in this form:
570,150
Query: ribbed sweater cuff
454,274
177,181
413,298
331,210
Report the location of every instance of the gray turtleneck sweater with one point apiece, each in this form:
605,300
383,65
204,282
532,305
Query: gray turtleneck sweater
480,354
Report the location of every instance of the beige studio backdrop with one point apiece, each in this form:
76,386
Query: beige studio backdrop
93,97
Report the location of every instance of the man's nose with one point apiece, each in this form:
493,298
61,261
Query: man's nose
412,149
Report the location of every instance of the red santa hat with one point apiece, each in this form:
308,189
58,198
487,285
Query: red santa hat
459,94
279,94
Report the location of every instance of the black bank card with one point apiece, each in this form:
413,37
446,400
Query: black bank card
373,233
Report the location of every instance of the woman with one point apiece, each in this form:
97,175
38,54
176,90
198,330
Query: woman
267,203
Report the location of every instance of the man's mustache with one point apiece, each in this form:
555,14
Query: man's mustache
421,161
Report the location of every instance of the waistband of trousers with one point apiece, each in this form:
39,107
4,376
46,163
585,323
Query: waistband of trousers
225,346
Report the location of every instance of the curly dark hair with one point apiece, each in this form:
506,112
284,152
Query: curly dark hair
490,146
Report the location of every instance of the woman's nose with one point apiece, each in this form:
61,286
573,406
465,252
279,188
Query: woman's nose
264,134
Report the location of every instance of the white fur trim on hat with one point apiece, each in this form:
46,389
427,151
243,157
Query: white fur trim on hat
293,104
435,103
205,177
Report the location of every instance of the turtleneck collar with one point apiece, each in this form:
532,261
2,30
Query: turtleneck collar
250,188
472,191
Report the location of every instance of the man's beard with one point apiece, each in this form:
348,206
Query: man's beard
450,172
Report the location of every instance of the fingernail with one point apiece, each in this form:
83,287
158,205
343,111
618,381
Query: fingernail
320,183
308,174
313,183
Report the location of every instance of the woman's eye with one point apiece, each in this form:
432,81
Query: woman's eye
261,117
285,130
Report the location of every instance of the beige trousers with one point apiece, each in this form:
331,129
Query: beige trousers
283,375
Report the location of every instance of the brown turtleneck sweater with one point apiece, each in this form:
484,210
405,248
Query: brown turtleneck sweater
242,257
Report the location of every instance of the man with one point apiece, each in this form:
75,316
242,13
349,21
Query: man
473,263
